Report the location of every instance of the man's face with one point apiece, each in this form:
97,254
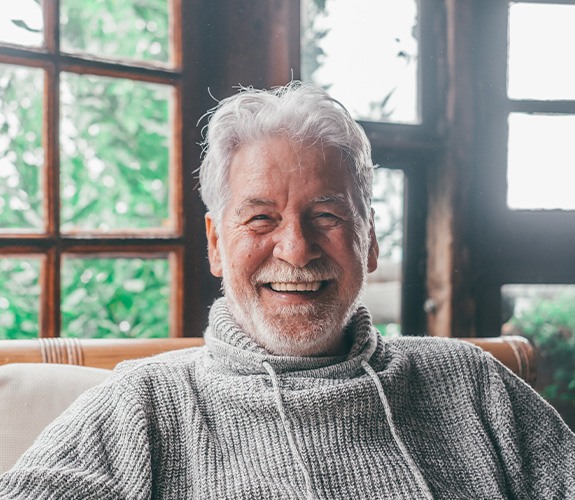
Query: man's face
291,247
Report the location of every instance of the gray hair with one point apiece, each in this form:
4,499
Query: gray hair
298,111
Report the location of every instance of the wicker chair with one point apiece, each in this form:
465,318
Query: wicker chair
40,378
513,351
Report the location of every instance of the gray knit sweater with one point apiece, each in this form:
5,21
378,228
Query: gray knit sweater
407,418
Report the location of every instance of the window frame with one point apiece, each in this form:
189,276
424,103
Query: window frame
514,246
185,246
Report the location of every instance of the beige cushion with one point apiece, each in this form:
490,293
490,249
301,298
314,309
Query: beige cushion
34,394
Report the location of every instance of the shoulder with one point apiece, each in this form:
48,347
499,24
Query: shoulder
177,358
437,359
426,348
168,366
138,388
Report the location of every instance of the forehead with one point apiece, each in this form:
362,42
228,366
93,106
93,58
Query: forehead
278,167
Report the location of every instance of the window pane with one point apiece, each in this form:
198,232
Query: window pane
365,53
545,314
115,136
130,29
21,22
115,297
19,297
382,295
541,51
541,162
21,152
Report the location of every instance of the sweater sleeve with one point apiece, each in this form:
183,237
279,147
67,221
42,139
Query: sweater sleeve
535,446
96,449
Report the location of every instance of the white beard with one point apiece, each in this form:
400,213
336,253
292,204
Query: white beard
298,330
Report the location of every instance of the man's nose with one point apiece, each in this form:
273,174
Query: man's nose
296,244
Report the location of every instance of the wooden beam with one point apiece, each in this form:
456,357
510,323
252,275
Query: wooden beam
449,306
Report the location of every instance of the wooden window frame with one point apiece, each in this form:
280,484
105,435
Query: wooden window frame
191,288
515,246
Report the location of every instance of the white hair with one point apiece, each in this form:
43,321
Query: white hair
300,112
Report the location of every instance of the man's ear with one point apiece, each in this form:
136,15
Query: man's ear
214,256
373,252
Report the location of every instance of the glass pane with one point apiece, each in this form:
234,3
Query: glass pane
21,152
131,29
365,53
541,162
19,297
21,22
114,151
541,51
545,314
115,298
382,295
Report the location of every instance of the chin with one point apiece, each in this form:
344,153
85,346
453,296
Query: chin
297,331
305,342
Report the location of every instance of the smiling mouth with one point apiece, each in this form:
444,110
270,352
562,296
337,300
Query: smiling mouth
312,286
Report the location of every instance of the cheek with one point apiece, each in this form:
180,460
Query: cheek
248,253
346,247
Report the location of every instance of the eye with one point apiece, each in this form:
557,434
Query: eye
261,222
326,219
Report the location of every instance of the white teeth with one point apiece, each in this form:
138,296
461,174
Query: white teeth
296,287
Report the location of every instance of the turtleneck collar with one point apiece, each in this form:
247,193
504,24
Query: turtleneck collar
227,342
238,353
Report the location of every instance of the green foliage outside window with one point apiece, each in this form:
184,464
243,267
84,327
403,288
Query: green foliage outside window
101,298
119,298
21,152
115,138
19,297
114,153
130,29
550,325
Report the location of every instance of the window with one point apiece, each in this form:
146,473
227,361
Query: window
366,53
541,73
525,209
382,295
540,176
93,238
523,169
540,159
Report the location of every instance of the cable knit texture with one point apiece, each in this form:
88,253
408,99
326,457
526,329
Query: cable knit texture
407,418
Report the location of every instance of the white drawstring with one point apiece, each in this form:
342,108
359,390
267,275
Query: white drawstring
388,415
288,431
387,409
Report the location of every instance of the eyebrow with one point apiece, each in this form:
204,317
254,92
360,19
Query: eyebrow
338,200
253,202
334,198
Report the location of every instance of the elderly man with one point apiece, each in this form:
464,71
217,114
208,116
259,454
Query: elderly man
295,395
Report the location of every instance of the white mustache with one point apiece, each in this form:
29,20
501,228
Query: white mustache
284,273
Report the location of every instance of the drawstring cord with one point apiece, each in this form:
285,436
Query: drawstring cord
387,409
388,416
288,430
